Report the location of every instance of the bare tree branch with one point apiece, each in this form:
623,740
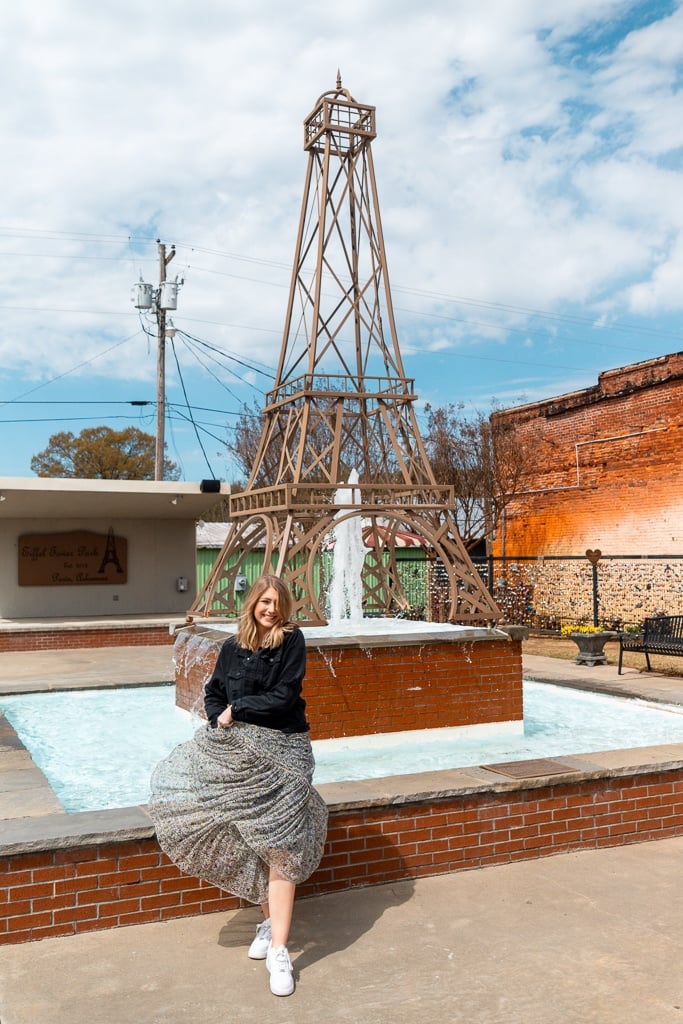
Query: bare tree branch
479,456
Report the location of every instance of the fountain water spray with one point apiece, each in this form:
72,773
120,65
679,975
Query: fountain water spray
346,589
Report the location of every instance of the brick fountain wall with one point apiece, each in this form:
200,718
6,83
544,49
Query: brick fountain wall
372,684
68,885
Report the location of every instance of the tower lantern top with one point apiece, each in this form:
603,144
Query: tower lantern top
338,119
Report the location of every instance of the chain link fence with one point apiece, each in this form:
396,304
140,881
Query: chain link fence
548,592
551,591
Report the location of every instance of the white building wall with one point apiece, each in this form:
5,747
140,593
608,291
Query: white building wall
159,552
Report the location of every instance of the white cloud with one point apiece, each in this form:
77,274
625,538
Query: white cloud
664,286
517,165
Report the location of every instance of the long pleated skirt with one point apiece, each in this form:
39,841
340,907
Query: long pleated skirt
231,803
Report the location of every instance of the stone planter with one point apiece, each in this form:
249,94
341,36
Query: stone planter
591,647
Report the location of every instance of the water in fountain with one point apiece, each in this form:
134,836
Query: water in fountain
346,588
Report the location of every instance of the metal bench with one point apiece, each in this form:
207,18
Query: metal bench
662,634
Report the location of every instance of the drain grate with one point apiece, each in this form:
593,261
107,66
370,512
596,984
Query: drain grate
531,769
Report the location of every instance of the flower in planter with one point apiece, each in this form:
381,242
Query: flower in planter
590,640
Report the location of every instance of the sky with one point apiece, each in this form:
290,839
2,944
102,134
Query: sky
529,165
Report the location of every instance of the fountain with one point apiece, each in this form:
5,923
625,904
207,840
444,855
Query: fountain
341,461
381,675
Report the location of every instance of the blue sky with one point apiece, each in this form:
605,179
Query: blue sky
529,163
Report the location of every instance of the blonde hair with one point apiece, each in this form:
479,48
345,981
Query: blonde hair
247,630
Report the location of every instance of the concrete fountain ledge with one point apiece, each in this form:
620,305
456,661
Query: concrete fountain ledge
68,873
69,830
374,632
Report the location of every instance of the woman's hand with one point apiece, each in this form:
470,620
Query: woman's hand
225,719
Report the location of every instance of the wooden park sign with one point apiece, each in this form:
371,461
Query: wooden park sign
79,557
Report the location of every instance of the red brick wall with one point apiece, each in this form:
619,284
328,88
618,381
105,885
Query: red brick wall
607,469
62,892
351,691
67,639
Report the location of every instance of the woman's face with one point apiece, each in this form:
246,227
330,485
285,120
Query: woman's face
265,611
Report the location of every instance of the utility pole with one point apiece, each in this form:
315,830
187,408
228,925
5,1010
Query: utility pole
165,297
164,260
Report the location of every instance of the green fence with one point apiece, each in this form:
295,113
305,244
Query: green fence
411,565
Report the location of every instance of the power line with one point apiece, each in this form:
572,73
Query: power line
267,371
68,419
64,309
187,403
564,318
215,376
134,402
84,401
60,376
65,235
560,318
529,332
202,426
73,256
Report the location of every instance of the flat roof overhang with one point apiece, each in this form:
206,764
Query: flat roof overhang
59,498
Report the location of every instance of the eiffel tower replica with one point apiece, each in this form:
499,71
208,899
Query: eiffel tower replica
342,405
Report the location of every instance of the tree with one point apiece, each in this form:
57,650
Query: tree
100,453
480,457
246,439
372,455
220,512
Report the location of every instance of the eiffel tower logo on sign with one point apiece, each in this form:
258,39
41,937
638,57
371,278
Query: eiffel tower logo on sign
110,556
342,405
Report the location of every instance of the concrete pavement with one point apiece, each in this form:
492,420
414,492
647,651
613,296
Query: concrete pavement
605,679
86,667
586,937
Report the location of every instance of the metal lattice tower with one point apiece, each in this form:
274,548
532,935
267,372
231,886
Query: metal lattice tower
341,402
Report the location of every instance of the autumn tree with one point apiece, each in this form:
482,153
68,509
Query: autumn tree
479,456
100,453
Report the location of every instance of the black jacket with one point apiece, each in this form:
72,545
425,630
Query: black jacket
263,686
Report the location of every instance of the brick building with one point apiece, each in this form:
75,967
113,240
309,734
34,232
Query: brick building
607,477
609,468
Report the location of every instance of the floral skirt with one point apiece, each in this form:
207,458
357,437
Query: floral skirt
231,803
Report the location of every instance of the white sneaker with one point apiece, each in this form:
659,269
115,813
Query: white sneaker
280,967
261,944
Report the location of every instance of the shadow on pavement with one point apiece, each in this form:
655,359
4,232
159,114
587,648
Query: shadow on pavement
322,926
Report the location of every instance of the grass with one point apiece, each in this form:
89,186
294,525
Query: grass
564,648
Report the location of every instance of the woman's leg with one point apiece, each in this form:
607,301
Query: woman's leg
280,907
